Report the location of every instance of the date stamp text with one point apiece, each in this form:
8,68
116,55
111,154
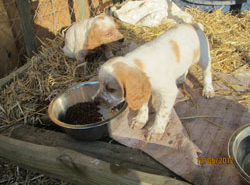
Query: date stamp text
215,160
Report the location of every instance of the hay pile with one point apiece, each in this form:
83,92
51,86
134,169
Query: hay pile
50,72
27,98
229,39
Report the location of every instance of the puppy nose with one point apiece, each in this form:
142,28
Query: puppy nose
97,100
121,40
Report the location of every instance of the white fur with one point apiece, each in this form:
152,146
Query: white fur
141,118
76,36
163,69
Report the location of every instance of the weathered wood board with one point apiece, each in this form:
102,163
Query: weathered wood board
59,155
74,167
27,26
17,73
113,153
179,150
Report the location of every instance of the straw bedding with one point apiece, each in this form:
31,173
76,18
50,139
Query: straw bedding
26,99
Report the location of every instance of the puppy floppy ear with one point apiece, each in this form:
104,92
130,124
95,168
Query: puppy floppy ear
136,84
93,39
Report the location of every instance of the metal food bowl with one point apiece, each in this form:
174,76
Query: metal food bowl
83,92
239,149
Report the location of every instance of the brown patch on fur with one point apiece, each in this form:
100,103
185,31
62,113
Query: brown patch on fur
165,115
139,64
135,82
97,36
176,50
93,38
196,55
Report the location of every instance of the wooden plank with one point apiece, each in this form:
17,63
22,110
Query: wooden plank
74,167
112,153
8,79
23,7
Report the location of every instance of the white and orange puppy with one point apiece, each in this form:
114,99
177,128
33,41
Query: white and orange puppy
154,69
89,34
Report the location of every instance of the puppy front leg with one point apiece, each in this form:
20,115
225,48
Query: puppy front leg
140,119
81,55
82,64
163,101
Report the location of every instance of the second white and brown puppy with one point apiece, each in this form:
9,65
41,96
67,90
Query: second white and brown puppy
154,69
89,34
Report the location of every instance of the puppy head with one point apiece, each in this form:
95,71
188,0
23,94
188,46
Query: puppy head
103,31
119,81
110,92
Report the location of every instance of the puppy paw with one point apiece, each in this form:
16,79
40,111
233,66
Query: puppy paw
154,134
137,123
208,92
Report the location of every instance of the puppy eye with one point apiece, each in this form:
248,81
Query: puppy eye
109,34
109,89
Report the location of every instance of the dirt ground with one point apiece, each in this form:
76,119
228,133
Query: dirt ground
12,174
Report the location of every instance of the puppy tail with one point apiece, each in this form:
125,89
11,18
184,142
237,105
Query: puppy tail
198,26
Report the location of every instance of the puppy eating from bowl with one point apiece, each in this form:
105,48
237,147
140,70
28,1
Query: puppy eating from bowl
152,71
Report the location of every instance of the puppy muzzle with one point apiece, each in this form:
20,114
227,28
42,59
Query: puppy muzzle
100,101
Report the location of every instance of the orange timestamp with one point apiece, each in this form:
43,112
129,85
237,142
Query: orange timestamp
215,160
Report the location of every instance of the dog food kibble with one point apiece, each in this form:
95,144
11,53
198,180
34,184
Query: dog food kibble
83,113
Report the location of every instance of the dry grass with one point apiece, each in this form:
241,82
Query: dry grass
27,98
50,72
229,39
14,174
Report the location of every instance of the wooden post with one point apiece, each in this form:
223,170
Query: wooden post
82,8
75,167
26,20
